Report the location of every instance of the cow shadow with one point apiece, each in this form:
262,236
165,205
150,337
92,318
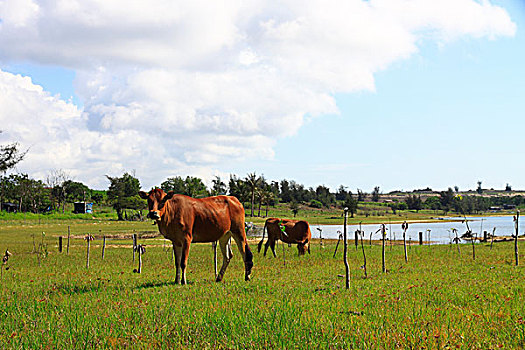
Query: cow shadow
147,285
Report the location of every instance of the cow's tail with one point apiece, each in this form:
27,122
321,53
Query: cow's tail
259,246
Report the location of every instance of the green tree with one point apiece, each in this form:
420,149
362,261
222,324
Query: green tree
341,193
414,202
479,190
191,186
76,191
238,188
361,196
447,200
253,183
375,194
121,192
350,203
175,184
195,187
433,203
10,155
218,187
27,193
286,194
323,195
56,180
294,207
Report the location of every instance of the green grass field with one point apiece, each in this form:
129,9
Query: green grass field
440,299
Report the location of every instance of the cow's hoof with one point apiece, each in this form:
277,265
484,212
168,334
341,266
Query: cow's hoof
218,279
247,277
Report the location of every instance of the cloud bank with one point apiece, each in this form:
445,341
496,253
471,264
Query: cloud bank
176,87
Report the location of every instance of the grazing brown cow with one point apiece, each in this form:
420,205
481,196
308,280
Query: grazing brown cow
184,220
294,232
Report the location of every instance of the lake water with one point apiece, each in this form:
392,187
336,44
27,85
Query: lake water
440,230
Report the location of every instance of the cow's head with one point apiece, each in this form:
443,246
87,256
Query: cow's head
303,248
156,200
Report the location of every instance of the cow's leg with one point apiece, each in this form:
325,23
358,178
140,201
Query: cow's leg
266,245
246,254
272,246
226,255
178,255
184,257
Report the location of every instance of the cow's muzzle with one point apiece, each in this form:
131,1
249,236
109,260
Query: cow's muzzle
154,215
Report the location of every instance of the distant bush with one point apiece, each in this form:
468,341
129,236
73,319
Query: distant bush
315,204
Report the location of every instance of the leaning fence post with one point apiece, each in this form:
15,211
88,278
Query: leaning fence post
338,240
345,251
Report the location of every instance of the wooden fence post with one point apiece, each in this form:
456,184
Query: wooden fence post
339,238
68,237
141,250
516,225
420,238
361,233
383,235
404,226
103,246
60,244
345,251
88,238
134,245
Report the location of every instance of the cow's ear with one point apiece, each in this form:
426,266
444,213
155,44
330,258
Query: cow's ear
143,195
169,195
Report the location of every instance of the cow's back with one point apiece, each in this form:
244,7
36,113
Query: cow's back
213,216
297,231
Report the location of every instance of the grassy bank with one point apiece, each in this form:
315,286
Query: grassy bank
440,299
369,213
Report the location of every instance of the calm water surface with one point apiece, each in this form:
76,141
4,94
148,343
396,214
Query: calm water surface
440,230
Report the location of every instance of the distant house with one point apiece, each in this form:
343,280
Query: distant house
9,207
509,206
83,208
495,208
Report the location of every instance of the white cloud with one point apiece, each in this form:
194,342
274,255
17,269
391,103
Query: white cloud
176,86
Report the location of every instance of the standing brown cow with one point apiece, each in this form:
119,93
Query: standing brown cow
184,220
295,231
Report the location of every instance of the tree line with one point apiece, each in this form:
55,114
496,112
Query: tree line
256,192
26,194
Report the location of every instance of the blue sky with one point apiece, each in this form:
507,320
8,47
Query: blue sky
448,116
438,113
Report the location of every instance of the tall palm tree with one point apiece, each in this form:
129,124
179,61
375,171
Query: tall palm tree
267,198
252,181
